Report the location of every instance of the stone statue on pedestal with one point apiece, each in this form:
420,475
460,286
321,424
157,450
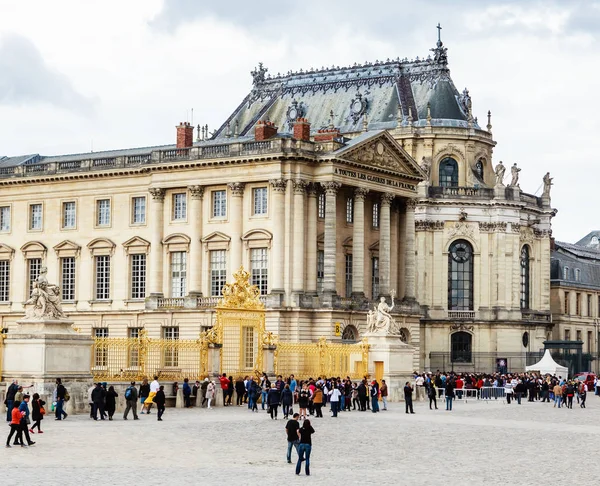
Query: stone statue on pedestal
514,170
45,300
380,321
500,170
547,185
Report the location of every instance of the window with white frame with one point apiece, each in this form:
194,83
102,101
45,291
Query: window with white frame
171,354
101,349
320,270
259,269
4,280
374,277
577,274
350,210
376,215
35,217
348,265
321,205
67,273
565,273
219,204
33,272
138,276
102,277
178,273
179,206
259,199
69,216
138,210
218,271
5,218
103,212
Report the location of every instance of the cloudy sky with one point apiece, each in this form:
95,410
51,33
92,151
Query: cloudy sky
116,74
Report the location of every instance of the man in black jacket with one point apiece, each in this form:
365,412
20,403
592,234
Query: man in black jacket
408,397
131,397
10,398
61,391
362,395
98,395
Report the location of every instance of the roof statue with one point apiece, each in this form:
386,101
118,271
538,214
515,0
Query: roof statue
547,185
500,170
258,75
514,171
44,301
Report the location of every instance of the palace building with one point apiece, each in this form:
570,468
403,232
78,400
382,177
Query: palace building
332,186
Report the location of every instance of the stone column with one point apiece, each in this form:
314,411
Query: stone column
299,258
385,245
330,243
358,244
278,187
195,218
236,221
409,245
311,240
157,207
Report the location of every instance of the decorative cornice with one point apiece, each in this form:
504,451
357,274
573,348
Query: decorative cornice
300,186
331,188
542,233
236,188
360,193
157,193
495,227
197,192
429,225
278,185
461,327
411,203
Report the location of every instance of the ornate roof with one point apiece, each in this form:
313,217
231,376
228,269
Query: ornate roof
387,93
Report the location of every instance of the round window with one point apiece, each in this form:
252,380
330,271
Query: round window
525,339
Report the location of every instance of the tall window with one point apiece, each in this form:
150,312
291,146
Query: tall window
578,335
567,308
376,215
218,271
259,268
35,217
219,204
33,272
138,276
171,354
374,277
567,334
320,270
461,347
179,206
178,273
69,215
589,342
448,172
460,276
102,277
348,265
578,304
138,210
525,277
577,274
350,210
565,273
134,351
321,205
103,212
589,305
67,272
248,347
5,218
101,349
259,200
4,280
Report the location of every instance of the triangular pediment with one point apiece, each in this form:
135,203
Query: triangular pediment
136,241
380,150
215,237
67,246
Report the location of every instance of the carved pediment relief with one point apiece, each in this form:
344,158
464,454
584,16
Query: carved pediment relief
136,245
216,241
6,252
67,249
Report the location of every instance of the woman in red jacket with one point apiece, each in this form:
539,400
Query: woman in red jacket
15,425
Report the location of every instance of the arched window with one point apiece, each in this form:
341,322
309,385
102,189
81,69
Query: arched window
479,168
448,172
350,333
461,347
525,277
460,276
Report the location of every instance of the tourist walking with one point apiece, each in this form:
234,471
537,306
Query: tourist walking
334,400
570,393
362,395
287,401
24,409
61,392
160,399
318,401
303,398
111,402
11,391
210,393
375,396
408,391
224,387
583,389
273,400
230,391
240,389
143,394
98,397
154,387
449,394
187,393
384,394
203,389
131,401
557,395
431,393
291,428
15,425
265,387
305,446
37,413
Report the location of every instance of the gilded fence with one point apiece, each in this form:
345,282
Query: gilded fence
2,336
126,359
323,358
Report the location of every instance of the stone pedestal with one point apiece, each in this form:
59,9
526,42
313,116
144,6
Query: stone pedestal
269,360
41,351
397,359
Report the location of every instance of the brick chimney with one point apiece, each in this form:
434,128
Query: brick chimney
264,130
327,134
185,135
302,129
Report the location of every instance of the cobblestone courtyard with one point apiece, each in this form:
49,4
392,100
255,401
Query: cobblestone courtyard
477,443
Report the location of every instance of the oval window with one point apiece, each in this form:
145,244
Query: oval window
525,339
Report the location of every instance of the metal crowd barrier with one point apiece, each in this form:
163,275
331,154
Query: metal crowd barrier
492,393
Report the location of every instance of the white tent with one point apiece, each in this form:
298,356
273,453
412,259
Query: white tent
548,365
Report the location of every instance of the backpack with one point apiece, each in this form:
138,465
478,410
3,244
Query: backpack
67,396
128,394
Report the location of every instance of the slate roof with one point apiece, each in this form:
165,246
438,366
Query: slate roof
583,265
384,92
